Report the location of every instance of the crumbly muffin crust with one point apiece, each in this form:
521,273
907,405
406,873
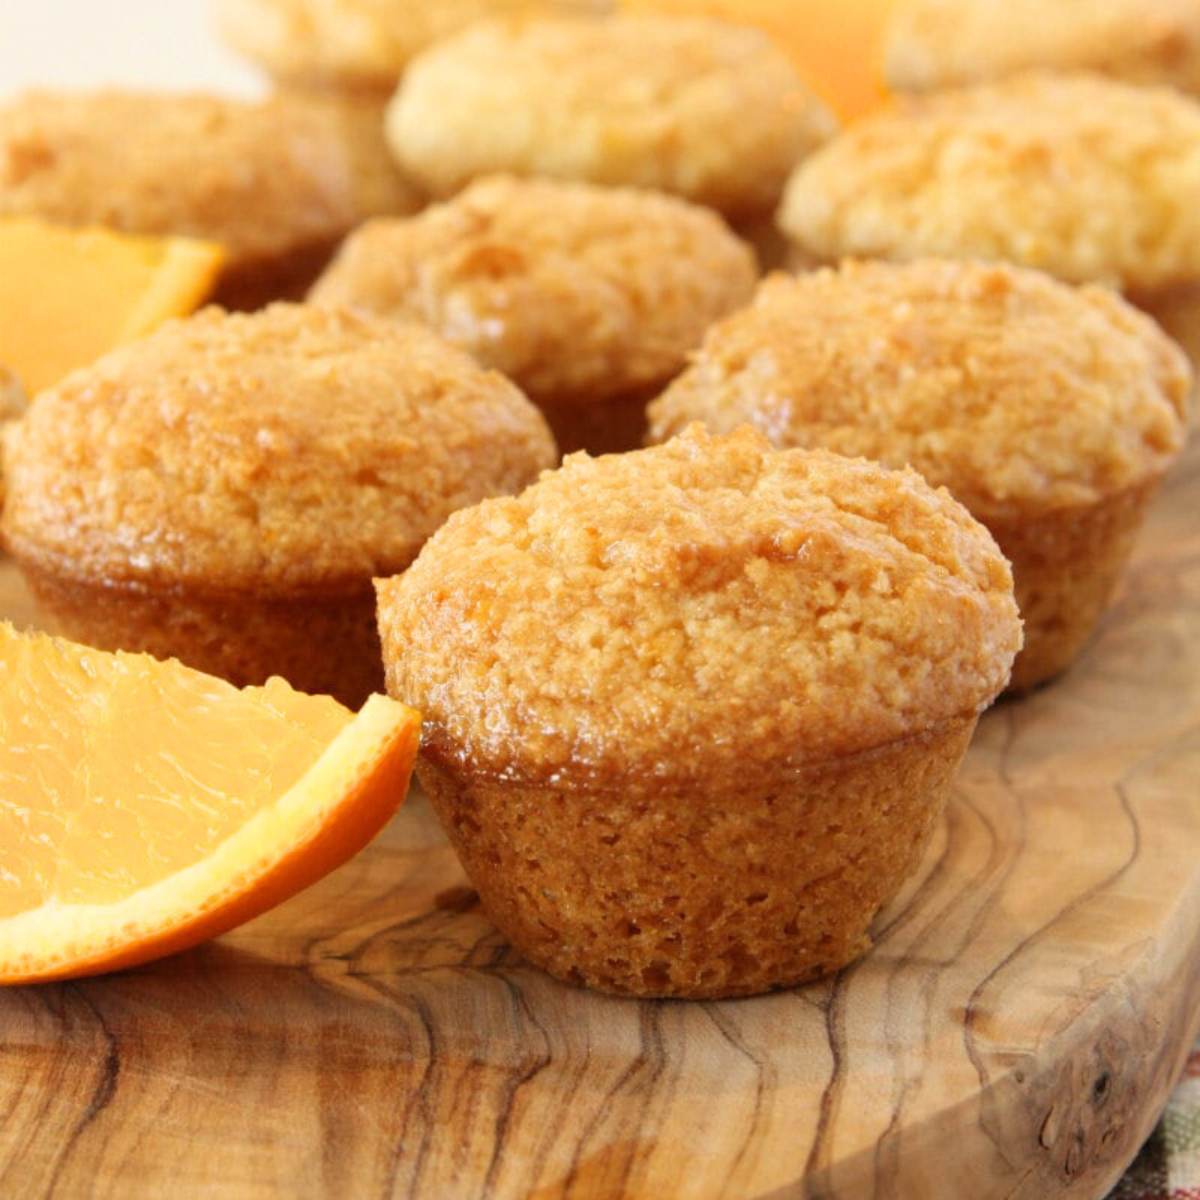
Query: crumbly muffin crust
289,451
946,43
1087,178
709,111
698,611
357,43
1018,393
264,179
577,293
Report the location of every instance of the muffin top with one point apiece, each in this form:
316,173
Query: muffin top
260,178
1016,392
712,112
357,43
1087,178
945,43
700,610
576,292
292,449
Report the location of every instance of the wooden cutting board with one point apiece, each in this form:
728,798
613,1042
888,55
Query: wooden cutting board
1014,1034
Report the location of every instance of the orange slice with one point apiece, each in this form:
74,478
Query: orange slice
145,807
837,45
67,296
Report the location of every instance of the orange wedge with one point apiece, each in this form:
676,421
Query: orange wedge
67,296
837,45
146,807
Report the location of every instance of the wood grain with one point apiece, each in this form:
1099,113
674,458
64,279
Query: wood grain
1014,1034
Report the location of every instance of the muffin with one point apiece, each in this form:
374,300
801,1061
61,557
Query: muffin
1086,178
278,183
691,712
224,491
711,112
357,45
1052,412
588,298
946,43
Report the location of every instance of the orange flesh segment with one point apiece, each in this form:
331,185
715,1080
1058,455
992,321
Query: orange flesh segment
836,45
145,806
67,296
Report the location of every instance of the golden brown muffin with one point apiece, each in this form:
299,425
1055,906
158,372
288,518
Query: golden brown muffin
946,43
712,112
277,183
691,712
1052,412
1086,178
225,490
358,44
588,298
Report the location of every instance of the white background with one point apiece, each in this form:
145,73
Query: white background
145,43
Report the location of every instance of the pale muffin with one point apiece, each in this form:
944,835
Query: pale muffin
359,45
1083,177
588,298
225,490
945,43
1052,412
278,183
712,112
691,712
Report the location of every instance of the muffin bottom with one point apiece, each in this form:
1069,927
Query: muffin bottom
599,427
700,891
1066,565
324,644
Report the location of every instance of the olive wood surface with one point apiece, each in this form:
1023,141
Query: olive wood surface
1015,1032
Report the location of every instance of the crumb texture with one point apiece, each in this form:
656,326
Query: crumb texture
708,111
359,43
262,179
703,892
576,292
1018,393
698,610
290,450
943,43
1087,178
